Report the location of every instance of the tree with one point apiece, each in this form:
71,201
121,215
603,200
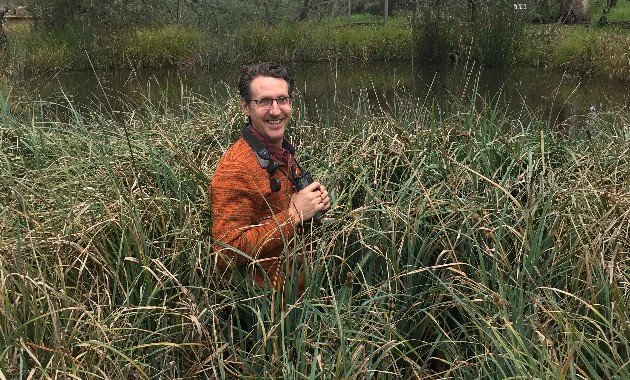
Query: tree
101,15
335,8
304,11
574,11
349,12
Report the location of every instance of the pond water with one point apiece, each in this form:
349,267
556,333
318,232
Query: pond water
321,88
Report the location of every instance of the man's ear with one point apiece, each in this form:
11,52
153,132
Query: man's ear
245,106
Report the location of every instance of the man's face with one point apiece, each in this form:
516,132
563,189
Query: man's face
269,121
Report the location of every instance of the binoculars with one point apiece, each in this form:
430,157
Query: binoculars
300,182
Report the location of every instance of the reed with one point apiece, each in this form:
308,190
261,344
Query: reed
167,46
491,37
495,37
593,52
433,37
463,243
75,49
324,40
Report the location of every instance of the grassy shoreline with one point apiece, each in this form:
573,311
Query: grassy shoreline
469,245
580,50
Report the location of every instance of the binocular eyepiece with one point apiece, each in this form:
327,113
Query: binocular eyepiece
300,182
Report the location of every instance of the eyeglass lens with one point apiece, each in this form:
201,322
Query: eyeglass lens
283,100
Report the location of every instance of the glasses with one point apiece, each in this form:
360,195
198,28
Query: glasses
267,103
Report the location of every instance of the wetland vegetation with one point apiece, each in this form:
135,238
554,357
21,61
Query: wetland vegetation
466,244
498,36
464,241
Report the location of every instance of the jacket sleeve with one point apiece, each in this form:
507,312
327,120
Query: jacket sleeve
238,231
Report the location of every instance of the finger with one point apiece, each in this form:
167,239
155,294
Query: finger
316,196
312,187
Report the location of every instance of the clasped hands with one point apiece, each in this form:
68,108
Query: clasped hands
308,201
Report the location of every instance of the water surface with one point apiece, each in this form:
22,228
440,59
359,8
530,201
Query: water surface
321,88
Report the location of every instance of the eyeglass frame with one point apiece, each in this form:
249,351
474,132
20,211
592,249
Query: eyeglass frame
280,101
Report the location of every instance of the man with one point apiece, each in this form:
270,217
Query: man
256,209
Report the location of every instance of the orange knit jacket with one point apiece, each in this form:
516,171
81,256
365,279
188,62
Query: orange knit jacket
251,225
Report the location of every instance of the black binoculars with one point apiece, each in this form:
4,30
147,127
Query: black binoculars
300,182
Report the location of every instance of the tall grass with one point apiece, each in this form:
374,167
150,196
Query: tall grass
74,49
463,243
433,36
496,36
620,13
592,51
493,36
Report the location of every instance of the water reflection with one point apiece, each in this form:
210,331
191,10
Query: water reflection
321,88
518,91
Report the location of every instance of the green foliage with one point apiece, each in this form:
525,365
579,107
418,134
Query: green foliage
618,14
171,45
545,11
576,48
536,48
67,49
363,18
496,36
463,243
491,36
60,49
307,42
433,36
99,16
592,51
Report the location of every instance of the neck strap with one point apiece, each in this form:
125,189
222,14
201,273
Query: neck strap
264,158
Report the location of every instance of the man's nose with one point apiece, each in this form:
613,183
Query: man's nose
275,108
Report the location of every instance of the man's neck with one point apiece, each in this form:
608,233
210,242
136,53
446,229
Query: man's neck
279,153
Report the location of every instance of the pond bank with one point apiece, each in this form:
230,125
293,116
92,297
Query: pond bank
578,50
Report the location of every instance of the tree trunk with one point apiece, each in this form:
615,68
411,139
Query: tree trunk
267,12
472,6
416,11
385,11
335,8
349,12
574,11
304,11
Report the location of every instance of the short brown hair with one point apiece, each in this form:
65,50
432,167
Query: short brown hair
263,69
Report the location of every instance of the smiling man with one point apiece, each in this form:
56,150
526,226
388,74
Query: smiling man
256,207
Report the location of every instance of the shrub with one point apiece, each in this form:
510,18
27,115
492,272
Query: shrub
432,36
171,45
